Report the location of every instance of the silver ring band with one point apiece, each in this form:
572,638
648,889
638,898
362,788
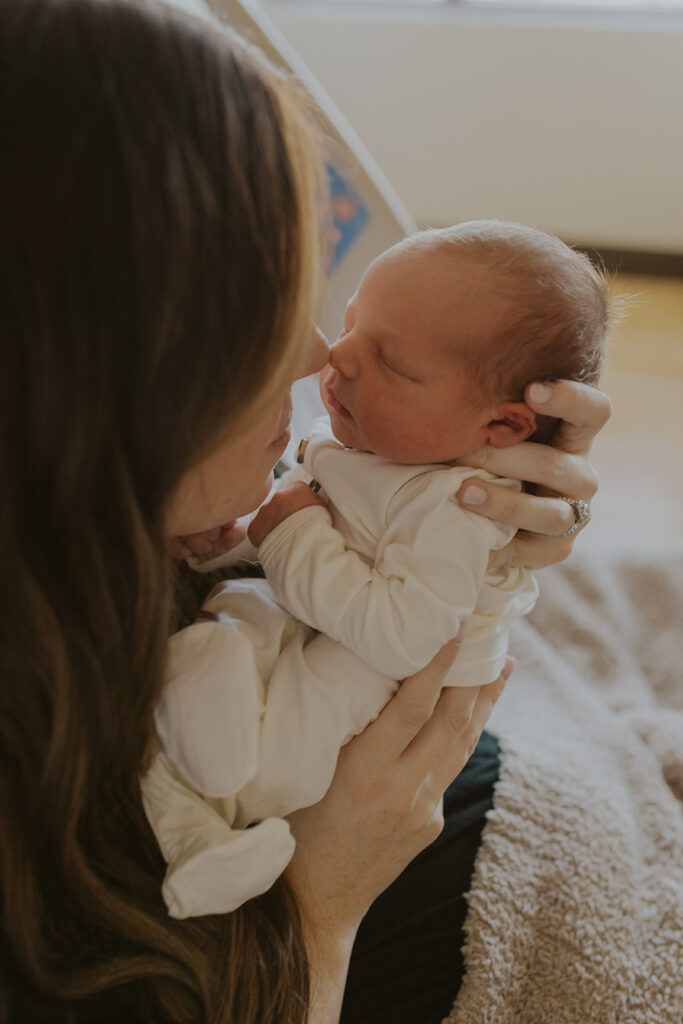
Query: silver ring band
582,513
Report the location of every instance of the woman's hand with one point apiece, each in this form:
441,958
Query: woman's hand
562,470
385,802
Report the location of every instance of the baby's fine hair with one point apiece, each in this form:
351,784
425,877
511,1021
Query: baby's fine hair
554,305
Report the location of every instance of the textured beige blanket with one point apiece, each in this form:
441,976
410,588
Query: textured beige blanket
576,907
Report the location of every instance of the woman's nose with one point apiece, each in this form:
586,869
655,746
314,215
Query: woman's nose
318,353
343,358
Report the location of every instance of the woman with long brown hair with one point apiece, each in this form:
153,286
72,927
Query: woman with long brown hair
158,263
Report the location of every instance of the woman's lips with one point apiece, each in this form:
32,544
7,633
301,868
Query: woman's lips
282,440
282,436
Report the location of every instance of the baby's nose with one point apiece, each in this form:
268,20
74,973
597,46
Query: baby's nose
343,358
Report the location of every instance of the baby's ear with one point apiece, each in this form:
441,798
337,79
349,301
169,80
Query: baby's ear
514,422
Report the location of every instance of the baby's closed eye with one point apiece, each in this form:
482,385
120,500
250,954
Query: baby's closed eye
390,364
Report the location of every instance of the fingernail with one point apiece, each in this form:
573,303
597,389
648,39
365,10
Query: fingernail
475,495
540,392
508,667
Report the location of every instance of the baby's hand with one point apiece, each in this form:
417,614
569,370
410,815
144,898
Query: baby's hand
210,543
287,500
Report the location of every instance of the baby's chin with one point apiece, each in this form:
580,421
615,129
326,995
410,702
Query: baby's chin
350,439
407,455
341,431
341,428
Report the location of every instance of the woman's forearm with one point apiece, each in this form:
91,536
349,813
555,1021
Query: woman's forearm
383,808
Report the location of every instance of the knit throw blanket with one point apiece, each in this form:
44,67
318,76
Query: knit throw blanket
576,905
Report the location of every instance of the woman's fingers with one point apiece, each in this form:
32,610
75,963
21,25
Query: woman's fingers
553,469
531,551
582,409
559,471
407,713
458,754
449,723
548,516
453,731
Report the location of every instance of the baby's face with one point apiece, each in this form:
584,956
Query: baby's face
397,384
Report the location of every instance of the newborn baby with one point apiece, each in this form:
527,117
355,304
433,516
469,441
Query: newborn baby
368,578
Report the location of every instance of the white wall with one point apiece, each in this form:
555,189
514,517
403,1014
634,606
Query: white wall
570,123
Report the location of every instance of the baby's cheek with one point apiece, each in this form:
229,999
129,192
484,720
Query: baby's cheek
414,437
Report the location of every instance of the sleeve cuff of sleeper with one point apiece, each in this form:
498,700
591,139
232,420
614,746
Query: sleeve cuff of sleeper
279,536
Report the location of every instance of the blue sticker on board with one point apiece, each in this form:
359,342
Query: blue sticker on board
350,215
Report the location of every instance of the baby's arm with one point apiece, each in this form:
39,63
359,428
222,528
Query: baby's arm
397,614
284,502
320,694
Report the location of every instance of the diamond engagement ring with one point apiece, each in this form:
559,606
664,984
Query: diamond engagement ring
582,513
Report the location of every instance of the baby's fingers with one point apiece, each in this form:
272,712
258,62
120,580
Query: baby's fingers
210,543
202,544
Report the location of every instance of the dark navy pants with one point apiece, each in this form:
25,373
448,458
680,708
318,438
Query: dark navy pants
407,963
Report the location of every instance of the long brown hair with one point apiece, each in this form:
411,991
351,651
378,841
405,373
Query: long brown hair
157,264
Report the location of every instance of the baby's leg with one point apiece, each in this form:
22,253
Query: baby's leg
320,694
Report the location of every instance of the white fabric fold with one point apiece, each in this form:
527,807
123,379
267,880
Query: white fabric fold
212,868
249,726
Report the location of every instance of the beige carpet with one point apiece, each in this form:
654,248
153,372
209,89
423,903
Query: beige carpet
576,909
